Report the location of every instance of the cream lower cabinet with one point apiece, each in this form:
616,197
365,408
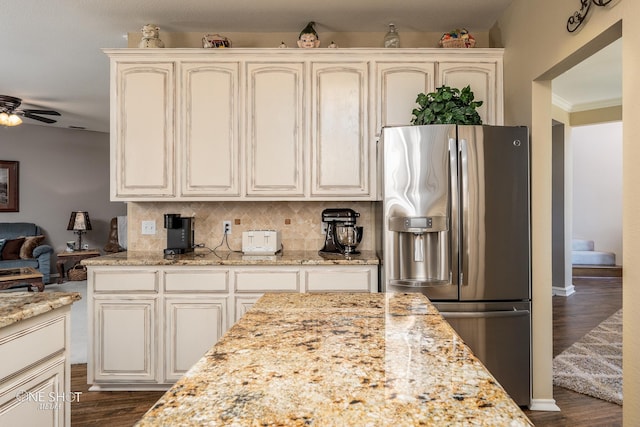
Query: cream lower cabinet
350,279
149,325
125,338
192,326
252,282
196,314
35,374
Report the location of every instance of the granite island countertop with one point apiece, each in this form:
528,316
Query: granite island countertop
200,258
338,359
17,306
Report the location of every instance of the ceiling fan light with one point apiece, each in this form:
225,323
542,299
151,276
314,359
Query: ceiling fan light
4,119
14,120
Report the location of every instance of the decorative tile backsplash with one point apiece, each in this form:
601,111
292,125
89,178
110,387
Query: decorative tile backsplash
300,223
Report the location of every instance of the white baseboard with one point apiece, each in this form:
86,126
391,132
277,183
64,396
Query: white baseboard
548,405
563,291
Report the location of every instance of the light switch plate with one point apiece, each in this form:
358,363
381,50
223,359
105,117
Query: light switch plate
148,227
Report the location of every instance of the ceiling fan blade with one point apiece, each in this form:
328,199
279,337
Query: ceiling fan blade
46,112
41,119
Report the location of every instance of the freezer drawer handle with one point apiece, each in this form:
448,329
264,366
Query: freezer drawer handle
419,283
483,314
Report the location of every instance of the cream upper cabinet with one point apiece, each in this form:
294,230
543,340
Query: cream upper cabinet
485,79
397,87
274,129
142,129
341,153
209,129
272,124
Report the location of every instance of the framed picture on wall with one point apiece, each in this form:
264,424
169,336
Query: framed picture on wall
8,186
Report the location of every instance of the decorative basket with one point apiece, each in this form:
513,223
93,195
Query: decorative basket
77,272
457,43
458,38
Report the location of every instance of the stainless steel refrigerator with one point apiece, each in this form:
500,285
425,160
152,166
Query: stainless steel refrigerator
456,207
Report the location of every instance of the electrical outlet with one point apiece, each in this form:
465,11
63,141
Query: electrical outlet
148,227
226,227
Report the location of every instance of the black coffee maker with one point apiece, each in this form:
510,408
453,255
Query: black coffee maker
180,234
336,217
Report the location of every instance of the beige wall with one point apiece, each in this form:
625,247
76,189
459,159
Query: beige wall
597,185
600,115
303,232
61,170
537,49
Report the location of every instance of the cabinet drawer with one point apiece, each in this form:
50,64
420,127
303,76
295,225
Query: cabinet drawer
196,281
339,280
265,280
32,342
127,281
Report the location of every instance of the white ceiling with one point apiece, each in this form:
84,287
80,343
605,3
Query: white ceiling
594,83
51,57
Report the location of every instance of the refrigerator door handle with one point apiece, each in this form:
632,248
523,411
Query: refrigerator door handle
454,242
483,314
464,208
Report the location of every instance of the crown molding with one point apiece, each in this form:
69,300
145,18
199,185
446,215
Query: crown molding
575,108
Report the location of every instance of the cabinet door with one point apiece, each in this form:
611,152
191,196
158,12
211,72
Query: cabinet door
341,150
142,134
125,334
210,129
485,83
38,397
192,327
275,135
397,87
243,303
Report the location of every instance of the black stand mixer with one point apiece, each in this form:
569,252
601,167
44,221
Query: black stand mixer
343,236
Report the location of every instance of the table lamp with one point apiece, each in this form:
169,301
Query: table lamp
79,223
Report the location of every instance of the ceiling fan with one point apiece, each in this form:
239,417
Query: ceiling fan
9,112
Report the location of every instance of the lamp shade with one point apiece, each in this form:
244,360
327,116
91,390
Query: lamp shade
9,119
79,221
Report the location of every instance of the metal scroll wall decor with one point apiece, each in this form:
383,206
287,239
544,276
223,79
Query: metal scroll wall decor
579,16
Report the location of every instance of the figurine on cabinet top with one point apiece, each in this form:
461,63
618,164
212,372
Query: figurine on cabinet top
151,36
308,37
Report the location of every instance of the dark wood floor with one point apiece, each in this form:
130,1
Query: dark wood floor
107,408
573,316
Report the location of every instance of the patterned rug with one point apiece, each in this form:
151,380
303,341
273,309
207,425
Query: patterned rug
593,365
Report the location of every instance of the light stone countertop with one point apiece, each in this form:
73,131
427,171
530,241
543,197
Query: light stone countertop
338,359
201,257
17,306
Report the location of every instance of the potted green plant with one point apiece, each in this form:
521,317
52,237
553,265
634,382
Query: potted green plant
447,106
